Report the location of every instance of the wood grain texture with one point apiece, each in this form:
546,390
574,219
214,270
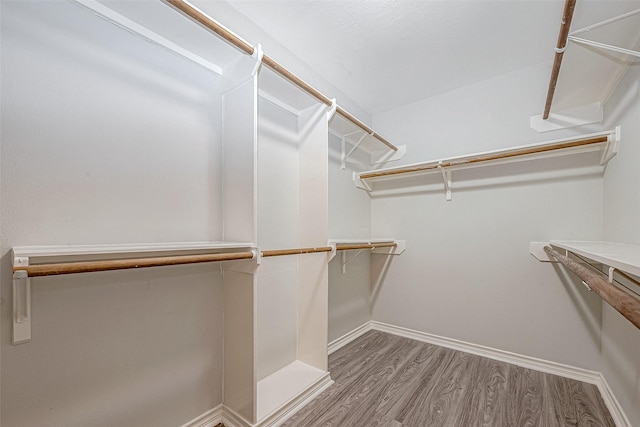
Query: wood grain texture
382,380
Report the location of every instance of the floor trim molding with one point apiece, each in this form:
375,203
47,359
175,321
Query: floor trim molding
615,409
298,402
229,418
338,343
211,418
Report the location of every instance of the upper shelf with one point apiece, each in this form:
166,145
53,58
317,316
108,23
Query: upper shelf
368,149
621,256
600,147
157,23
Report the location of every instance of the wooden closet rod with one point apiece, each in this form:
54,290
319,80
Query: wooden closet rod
297,251
123,264
623,302
367,246
217,28
487,157
567,16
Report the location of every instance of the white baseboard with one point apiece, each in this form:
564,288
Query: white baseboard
349,336
541,365
228,417
211,418
294,405
615,409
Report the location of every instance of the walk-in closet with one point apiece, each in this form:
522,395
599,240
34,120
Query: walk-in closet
229,213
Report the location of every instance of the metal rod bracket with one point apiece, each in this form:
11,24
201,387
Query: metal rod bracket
258,54
257,255
21,308
332,109
446,178
333,252
346,261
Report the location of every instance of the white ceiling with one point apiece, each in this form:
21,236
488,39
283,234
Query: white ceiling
388,53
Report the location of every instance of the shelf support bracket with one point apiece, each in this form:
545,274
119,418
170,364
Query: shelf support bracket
333,252
332,110
257,255
346,155
611,149
611,270
258,54
446,178
361,183
346,261
21,307
605,46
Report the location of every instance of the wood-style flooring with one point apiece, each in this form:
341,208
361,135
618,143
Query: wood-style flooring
382,380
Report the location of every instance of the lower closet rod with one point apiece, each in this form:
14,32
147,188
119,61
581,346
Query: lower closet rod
624,303
123,264
297,251
367,246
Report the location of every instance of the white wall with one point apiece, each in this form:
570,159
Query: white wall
620,339
349,218
467,273
107,139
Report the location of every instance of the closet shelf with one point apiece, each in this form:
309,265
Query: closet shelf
25,255
621,256
35,261
356,140
604,143
383,246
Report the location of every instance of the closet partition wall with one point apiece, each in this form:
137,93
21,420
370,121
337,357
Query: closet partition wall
275,194
292,213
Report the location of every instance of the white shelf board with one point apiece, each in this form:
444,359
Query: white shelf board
62,252
341,127
622,256
470,161
279,388
162,25
366,240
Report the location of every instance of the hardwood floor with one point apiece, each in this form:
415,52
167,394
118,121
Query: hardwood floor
382,380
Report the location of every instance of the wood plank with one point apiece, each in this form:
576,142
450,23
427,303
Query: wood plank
486,397
441,405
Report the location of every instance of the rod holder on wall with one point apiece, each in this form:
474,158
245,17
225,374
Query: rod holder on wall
21,308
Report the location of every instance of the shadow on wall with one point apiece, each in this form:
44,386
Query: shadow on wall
527,172
380,265
588,304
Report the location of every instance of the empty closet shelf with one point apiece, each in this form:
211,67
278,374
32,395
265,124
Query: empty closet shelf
624,302
295,251
37,261
384,244
621,256
589,151
54,260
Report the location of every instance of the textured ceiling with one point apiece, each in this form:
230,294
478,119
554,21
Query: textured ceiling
387,53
